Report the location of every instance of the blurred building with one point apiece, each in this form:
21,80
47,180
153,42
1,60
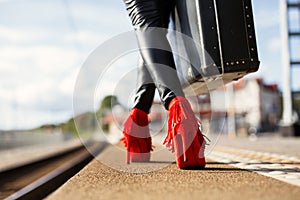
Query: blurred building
253,103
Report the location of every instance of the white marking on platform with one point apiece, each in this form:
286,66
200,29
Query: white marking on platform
283,172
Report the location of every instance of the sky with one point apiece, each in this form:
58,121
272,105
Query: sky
45,43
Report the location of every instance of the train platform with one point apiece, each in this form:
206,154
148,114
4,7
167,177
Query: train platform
260,168
12,158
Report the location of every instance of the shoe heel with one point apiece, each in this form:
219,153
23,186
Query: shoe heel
190,153
185,146
128,155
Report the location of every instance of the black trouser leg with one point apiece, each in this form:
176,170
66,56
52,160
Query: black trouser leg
146,88
150,19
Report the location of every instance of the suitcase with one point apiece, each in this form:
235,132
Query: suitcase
224,46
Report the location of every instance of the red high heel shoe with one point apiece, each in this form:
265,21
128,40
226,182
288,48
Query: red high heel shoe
137,139
184,136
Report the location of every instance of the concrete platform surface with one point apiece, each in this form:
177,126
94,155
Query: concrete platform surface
108,177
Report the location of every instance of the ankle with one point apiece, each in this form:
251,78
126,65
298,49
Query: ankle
139,117
177,100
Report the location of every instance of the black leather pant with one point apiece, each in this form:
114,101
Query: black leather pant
156,69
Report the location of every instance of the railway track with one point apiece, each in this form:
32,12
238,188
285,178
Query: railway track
38,179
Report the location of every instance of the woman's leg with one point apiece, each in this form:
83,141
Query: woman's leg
136,131
150,19
146,88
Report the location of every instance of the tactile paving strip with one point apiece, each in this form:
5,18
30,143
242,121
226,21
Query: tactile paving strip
281,167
